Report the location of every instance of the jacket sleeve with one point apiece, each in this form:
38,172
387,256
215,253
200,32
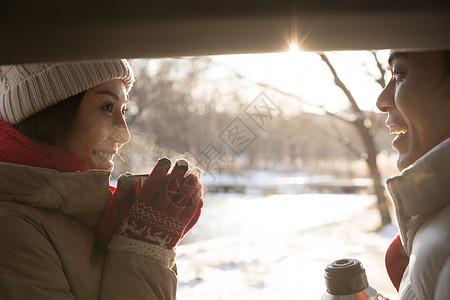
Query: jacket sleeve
29,266
442,285
131,276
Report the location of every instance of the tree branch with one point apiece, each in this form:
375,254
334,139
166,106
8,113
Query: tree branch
382,70
342,86
290,95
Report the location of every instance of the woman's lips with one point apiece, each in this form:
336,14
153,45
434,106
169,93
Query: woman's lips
104,155
104,160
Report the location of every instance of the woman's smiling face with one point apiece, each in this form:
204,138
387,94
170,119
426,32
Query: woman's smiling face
99,129
417,101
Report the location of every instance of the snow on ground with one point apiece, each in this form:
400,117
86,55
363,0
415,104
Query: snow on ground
277,247
251,182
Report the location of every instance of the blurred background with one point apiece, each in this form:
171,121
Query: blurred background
294,155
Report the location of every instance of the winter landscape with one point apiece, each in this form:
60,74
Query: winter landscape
267,232
255,245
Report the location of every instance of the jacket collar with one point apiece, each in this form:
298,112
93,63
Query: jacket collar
74,194
423,188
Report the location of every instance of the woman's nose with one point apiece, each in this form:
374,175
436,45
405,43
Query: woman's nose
121,134
386,99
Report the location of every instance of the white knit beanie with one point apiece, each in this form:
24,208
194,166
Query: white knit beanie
30,88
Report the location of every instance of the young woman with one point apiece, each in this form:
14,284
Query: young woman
65,233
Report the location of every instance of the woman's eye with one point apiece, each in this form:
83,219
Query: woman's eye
124,110
108,107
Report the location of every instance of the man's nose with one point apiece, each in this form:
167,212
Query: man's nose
385,101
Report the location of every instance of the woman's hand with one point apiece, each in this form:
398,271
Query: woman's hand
167,206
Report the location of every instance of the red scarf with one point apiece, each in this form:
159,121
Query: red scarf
18,149
396,259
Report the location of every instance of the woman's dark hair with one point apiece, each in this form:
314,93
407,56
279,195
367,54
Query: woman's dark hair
51,125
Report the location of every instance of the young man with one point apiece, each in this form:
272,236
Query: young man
417,101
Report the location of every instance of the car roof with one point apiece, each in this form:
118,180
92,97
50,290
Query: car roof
67,30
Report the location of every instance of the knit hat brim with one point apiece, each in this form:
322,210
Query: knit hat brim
28,89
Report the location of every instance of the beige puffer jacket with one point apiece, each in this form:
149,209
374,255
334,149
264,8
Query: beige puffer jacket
421,195
48,250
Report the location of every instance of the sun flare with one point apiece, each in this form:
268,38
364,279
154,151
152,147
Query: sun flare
294,48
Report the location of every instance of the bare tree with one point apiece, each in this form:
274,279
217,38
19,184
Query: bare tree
167,107
363,125
366,134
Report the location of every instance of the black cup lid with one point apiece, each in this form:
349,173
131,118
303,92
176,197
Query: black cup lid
345,276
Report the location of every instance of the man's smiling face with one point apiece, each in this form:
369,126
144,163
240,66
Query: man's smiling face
417,100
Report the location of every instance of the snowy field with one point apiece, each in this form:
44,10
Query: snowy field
277,247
